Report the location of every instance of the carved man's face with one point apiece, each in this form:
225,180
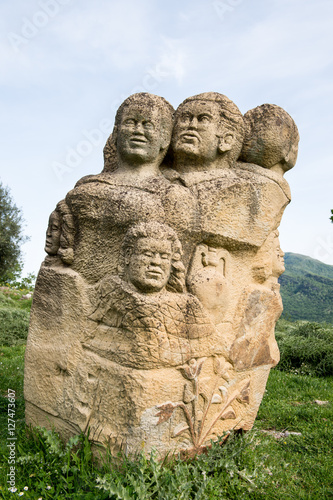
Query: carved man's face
197,131
149,264
53,233
139,134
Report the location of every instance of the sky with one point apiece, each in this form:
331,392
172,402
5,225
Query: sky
66,66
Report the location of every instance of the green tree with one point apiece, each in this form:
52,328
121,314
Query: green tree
11,237
332,215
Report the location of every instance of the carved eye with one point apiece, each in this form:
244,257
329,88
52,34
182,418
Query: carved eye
165,256
185,118
148,254
204,119
54,227
129,122
148,125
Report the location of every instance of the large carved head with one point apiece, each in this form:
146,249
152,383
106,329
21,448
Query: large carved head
208,132
271,138
142,131
152,258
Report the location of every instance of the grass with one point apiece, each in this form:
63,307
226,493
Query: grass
255,465
14,316
275,465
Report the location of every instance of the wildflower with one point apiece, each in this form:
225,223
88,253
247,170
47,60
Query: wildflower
26,488
13,489
21,493
48,487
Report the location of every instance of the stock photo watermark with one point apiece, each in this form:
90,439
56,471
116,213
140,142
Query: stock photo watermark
30,27
223,7
97,136
324,248
11,441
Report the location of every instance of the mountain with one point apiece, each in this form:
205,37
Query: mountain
307,289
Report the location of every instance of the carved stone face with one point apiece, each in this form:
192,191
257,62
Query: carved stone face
197,131
149,264
139,135
53,233
278,266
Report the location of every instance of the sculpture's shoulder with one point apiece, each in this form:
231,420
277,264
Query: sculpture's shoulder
259,175
103,178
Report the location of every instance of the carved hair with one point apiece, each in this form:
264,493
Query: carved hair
230,118
163,232
65,251
270,133
166,112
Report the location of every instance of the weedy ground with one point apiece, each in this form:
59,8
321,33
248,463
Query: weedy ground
268,462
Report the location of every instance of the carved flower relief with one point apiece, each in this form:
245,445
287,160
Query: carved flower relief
200,395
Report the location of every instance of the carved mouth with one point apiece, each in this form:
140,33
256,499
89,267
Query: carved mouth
189,136
154,274
139,140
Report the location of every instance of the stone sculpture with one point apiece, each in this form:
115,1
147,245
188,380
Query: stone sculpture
154,312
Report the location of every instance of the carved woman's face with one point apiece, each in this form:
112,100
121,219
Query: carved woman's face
53,233
139,136
149,264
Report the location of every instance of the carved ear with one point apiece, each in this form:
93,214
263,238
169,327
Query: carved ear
226,142
165,139
114,134
127,256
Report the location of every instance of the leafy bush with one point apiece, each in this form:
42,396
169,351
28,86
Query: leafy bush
305,347
14,324
13,298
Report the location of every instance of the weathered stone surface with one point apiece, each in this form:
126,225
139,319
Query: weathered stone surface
153,317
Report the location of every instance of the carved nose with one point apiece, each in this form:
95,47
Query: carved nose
193,122
156,259
139,128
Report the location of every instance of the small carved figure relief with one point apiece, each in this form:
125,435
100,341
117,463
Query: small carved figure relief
52,242
259,308
147,304
60,234
207,280
269,261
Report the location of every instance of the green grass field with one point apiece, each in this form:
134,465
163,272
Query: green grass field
254,465
268,462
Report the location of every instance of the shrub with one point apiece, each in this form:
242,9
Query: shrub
12,297
14,324
306,347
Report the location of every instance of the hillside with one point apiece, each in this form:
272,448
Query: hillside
307,289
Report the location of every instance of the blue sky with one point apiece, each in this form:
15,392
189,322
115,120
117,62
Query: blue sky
68,64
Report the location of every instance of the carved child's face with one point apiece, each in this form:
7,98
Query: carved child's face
53,233
139,135
197,131
149,264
